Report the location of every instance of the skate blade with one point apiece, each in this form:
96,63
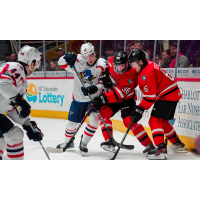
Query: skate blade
109,149
82,153
162,156
180,150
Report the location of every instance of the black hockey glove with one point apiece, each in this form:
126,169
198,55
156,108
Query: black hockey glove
22,106
31,134
137,113
105,78
100,101
70,58
91,90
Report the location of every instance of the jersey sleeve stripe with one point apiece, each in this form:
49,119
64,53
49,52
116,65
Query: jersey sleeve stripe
115,95
7,78
119,91
168,88
64,66
151,96
102,69
169,92
148,100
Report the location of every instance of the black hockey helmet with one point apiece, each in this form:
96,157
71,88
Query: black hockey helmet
137,55
120,58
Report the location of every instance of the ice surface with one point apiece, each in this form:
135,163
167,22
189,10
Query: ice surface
54,129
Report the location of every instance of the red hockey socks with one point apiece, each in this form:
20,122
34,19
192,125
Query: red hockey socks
157,130
138,131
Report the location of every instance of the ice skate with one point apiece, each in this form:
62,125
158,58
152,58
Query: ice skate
148,149
82,148
159,153
108,146
179,147
62,145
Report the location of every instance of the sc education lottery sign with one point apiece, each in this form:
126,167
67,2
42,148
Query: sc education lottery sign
49,94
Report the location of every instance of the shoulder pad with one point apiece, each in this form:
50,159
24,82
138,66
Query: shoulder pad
102,62
15,65
80,58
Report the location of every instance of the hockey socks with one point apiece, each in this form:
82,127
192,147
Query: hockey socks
157,130
68,134
138,131
88,133
103,128
15,146
2,147
170,132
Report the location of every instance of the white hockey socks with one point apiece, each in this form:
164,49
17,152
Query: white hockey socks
70,129
2,147
15,146
90,128
88,133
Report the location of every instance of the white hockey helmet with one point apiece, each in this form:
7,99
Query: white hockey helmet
87,49
28,54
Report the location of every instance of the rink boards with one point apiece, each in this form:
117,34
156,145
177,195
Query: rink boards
51,98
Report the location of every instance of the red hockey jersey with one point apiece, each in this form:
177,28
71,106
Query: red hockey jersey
124,84
156,84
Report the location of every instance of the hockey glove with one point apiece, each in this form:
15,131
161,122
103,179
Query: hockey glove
100,101
31,134
91,90
22,106
105,78
137,114
70,58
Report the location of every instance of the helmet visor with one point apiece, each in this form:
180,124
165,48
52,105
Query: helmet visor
121,68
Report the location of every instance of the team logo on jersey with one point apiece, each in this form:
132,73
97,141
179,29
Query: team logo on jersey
32,93
87,75
130,81
144,78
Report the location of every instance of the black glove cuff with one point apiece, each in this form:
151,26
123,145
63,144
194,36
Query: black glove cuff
139,110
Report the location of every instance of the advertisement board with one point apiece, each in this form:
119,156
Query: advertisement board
50,94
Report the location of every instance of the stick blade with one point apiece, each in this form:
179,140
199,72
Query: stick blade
54,150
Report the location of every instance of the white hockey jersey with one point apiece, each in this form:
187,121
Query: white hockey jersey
89,75
12,82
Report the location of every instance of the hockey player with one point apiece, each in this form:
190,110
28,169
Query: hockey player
13,85
161,90
121,79
89,68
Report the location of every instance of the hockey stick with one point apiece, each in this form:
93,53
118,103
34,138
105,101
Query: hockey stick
40,141
61,150
120,145
129,147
